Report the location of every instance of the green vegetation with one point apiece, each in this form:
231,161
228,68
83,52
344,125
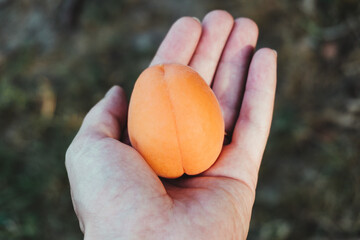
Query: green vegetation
55,63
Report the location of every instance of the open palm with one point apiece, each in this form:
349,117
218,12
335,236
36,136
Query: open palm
116,195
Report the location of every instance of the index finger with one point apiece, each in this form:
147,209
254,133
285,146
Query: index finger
180,42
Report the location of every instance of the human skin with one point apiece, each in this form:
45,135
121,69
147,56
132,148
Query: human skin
116,195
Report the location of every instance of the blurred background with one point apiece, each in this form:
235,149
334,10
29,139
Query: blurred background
59,57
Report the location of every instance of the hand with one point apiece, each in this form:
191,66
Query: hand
116,195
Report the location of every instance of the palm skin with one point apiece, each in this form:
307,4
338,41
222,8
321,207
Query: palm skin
116,195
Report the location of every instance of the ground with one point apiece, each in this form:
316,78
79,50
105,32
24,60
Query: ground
58,58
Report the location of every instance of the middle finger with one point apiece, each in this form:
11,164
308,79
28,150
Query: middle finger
216,29
231,74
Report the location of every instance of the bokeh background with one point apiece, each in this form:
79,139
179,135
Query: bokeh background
59,57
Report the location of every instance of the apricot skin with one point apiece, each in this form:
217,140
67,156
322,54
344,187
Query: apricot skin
175,121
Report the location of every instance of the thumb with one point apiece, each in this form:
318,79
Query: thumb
108,117
106,176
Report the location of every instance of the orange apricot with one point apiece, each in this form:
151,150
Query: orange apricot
175,121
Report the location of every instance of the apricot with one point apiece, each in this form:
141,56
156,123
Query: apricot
175,121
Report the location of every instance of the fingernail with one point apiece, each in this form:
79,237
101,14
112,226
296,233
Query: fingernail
197,19
275,52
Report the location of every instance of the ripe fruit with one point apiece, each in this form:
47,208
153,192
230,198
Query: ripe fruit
175,121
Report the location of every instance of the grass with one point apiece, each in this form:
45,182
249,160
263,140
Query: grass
51,75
